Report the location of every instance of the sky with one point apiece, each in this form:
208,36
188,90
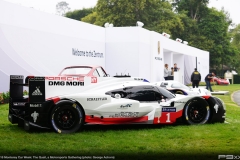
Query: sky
232,6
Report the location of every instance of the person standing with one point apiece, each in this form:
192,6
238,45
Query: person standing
195,78
175,67
166,71
172,71
208,79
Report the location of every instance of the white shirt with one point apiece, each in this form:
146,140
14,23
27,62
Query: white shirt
165,72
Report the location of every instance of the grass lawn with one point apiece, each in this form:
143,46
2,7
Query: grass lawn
129,141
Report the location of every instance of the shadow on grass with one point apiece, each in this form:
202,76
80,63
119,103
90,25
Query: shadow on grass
124,127
92,128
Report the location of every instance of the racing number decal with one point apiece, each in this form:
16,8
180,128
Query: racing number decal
168,117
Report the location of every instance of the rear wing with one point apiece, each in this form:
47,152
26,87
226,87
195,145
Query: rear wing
36,87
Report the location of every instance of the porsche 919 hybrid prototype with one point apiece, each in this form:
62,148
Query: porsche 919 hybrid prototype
65,104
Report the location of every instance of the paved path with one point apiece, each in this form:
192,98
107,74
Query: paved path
236,97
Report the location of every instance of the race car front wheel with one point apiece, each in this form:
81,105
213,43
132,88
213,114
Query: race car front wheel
66,117
197,111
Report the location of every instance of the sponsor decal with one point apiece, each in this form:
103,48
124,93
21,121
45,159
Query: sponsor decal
19,103
168,109
35,105
67,83
158,58
138,79
179,102
63,78
97,99
37,92
76,52
34,115
94,80
16,77
125,115
37,79
125,106
216,108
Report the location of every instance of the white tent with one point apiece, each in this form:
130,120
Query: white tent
37,43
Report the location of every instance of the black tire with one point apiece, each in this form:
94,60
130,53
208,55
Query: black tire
67,117
197,111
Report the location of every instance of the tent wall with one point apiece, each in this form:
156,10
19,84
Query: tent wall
38,43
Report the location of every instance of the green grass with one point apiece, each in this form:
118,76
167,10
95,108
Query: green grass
129,141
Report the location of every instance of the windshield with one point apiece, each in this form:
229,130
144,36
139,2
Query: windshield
166,93
82,70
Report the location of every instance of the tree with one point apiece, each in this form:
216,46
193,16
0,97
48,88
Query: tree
235,35
215,27
235,43
207,29
62,8
79,14
156,15
195,8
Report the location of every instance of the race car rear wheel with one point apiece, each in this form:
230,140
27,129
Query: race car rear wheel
66,117
179,92
197,111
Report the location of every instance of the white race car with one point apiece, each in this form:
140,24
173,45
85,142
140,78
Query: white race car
65,104
179,88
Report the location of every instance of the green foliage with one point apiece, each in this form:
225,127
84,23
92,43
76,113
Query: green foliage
195,8
215,27
91,18
164,20
204,84
235,35
156,15
235,43
4,97
25,92
1,98
79,14
207,29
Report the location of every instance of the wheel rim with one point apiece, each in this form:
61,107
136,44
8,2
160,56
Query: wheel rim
197,113
179,92
65,119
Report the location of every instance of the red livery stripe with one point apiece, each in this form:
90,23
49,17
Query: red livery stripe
54,99
206,97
